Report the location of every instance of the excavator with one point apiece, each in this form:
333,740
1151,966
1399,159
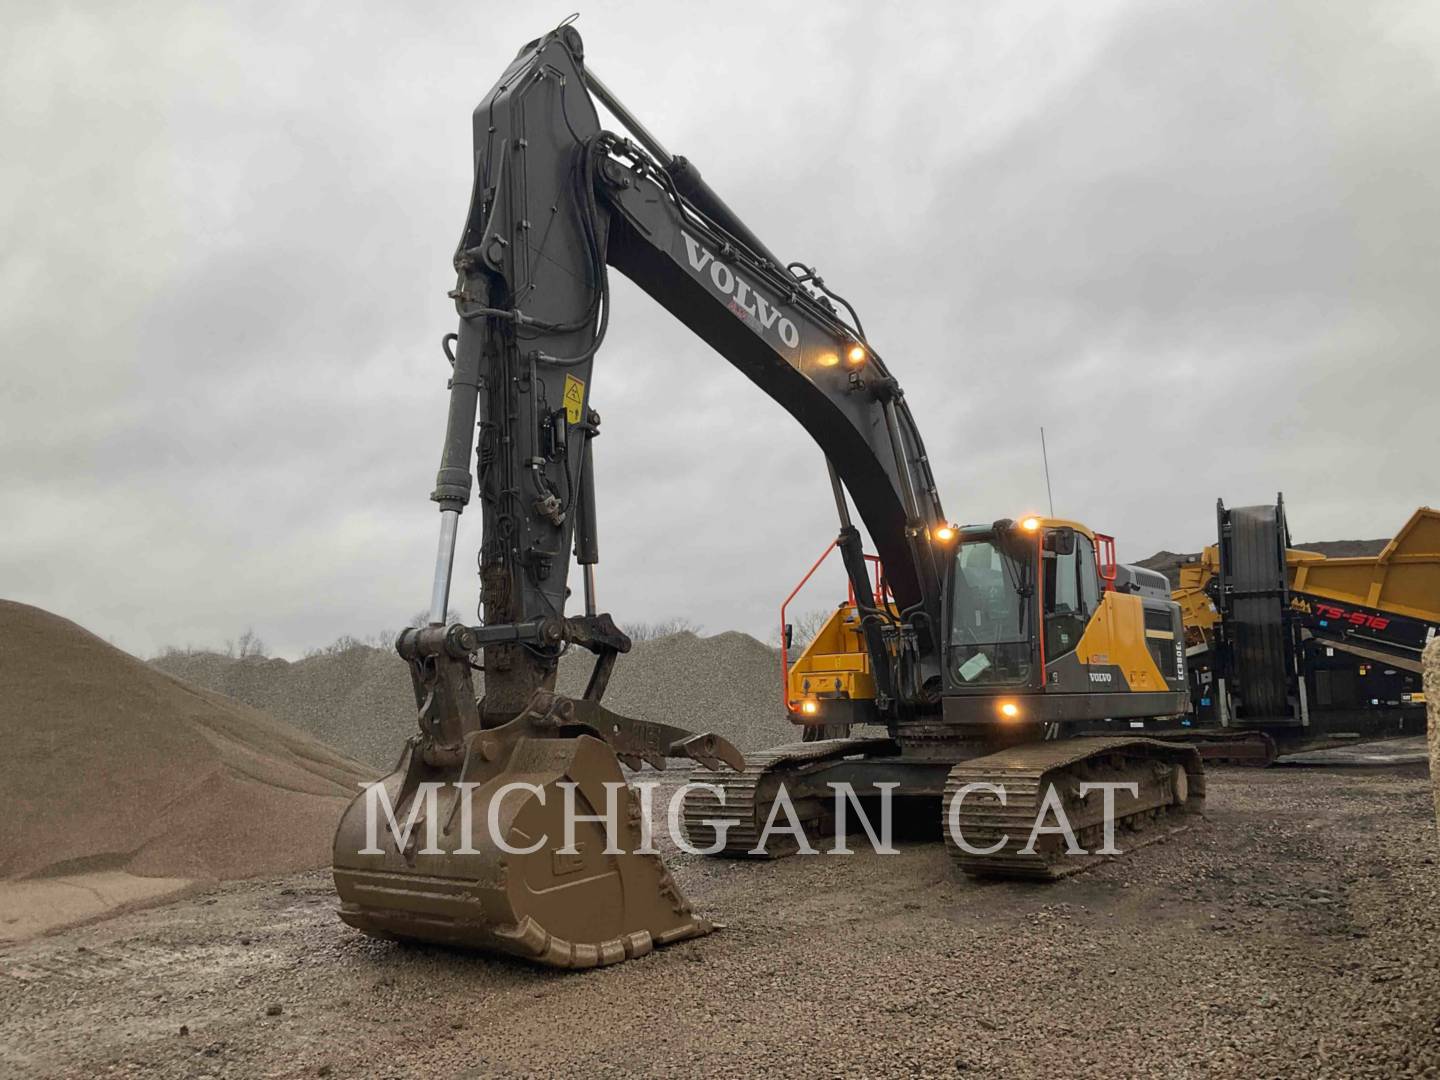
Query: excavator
1044,632
973,656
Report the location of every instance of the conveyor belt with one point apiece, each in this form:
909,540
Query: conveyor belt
1254,576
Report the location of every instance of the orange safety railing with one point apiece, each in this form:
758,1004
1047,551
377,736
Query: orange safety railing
1109,568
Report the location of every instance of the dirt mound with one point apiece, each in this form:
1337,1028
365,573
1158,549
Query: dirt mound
1169,562
1346,549
359,699
728,684
111,765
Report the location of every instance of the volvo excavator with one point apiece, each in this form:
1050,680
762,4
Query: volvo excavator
981,649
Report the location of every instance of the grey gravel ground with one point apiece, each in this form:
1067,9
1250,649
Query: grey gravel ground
1294,931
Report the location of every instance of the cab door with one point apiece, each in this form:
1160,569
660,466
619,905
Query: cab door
1070,602
1094,656
1064,622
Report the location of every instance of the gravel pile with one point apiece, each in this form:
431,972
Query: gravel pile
111,765
728,684
360,701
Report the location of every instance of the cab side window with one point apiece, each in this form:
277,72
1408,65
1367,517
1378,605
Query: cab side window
1064,619
1061,595
1089,575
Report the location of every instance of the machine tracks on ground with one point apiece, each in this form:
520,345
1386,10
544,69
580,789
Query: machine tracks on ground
1227,746
1169,778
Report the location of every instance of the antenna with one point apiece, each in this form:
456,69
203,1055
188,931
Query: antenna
1046,458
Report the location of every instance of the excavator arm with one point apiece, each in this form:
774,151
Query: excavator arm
556,203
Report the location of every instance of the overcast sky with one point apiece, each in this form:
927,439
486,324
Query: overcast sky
1197,242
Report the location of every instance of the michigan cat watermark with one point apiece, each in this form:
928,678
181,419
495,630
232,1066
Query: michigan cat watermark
447,815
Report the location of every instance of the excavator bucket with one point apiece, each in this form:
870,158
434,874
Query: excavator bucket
474,851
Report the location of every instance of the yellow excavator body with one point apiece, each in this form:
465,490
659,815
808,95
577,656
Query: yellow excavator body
1116,637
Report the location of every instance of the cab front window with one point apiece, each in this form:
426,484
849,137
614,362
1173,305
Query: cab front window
992,610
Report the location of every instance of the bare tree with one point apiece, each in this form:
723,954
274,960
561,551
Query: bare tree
180,650
246,647
343,644
422,618
649,631
384,640
804,626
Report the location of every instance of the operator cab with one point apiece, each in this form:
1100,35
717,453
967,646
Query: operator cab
1039,611
1009,580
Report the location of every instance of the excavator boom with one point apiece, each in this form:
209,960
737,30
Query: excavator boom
558,202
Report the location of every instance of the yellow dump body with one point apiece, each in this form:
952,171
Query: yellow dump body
1404,579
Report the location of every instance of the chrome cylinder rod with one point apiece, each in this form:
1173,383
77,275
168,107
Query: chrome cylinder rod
590,608
444,563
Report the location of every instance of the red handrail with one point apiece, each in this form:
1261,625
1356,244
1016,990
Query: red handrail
1109,568
784,646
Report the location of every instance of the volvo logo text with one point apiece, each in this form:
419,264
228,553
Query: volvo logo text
744,300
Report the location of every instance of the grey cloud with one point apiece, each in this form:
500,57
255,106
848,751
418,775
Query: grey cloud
1197,243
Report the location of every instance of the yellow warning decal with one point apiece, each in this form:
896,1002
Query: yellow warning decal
574,398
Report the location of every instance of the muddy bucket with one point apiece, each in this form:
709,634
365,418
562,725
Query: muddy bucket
449,878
